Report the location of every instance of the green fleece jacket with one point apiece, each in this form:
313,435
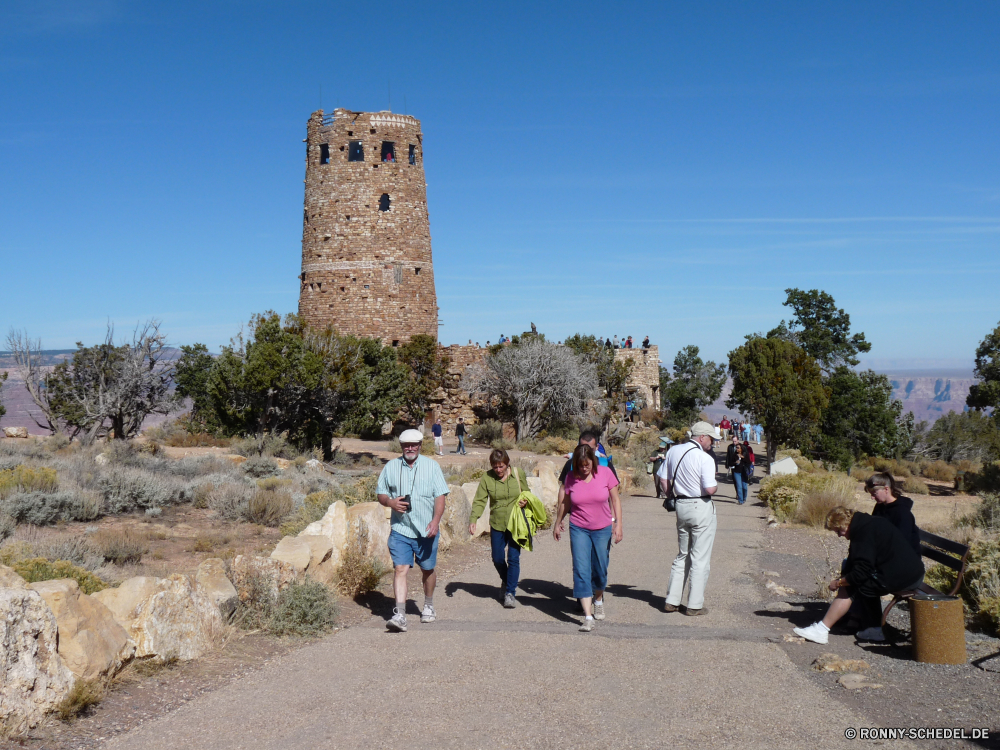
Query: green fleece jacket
500,494
524,522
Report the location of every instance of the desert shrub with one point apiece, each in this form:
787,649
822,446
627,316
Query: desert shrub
24,448
177,435
15,550
126,488
210,542
9,462
268,507
27,479
276,446
257,592
260,466
305,608
939,470
986,515
58,442
551,445
813,507
986,479
154,512
7,526
313,508
792,453
363,490
273,483
230,500
359,571
463,474
783,493
42,509
861,473
980,585
120,546
83,695
486,432
503,444
75,549
393,446
38,569
639,478
915,486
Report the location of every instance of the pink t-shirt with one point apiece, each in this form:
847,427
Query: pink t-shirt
589,506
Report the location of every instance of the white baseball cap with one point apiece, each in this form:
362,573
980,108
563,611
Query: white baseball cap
703,428
411,436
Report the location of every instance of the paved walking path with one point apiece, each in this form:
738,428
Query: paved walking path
486,677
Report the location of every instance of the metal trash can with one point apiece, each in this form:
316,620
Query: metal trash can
938,624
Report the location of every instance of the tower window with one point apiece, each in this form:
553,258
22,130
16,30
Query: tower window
357,152
324,153
413,154
383,202
395,342
388,152
416,271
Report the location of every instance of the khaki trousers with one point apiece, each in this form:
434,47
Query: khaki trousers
696,524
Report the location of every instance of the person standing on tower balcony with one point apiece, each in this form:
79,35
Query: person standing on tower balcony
645,343
438,437
616,341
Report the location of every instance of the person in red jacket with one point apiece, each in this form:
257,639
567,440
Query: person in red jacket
725,425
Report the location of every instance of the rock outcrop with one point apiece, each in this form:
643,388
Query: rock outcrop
16,432
246,568
375,517
333,526
33,677
211,579
167,618
91,643
309,554
456,514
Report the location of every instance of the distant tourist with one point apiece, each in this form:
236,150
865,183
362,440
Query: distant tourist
879,561
460,434
628,343
591,499
758,431
741,474
616,341
502,486
438,437
414,487
724,425
607,343
689,473
645,343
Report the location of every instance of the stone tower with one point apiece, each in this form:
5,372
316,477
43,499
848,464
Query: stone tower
366,241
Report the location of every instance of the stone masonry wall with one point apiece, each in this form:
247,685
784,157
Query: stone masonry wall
366,271
645,377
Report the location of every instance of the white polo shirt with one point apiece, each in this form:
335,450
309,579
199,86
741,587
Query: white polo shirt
696,473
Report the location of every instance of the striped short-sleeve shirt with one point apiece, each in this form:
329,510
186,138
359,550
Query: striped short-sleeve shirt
423,482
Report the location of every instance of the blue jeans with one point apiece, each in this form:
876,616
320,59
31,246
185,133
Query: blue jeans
590,549
461,444
509,568
740,480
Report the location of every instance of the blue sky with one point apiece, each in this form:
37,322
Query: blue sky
664,169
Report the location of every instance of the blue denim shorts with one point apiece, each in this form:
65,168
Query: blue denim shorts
404,550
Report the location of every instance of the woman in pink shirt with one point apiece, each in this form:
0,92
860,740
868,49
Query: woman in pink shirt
595,517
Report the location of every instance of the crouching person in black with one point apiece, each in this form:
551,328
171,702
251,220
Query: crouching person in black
880,561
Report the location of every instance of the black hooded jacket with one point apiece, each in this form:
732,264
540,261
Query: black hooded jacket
880,554
900,515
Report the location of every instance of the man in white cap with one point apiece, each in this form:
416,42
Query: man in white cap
415,488
689,473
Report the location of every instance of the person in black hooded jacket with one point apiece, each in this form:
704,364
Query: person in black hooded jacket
880,561
893,507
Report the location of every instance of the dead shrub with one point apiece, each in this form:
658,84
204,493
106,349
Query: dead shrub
359,571
84,695
268,507
814,506
120,546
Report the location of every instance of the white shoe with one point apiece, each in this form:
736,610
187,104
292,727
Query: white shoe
428,614
599,610
587,625
397,623
815,633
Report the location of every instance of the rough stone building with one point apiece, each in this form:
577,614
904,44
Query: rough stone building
366,242
644,381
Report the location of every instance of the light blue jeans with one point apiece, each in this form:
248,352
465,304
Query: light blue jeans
591,549
741,486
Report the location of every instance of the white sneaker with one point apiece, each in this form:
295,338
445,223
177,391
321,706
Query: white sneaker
815,633
599,610
874,634
587,625
397,623
428,614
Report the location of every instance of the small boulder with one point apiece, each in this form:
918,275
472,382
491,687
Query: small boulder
247,567
834,663
211,579
784,466
295,551
101,460
91,642
456,514
852,681
778,589
314,463
376,519
180,621
125,599
33,677
10,580
483,522
16,432
333,526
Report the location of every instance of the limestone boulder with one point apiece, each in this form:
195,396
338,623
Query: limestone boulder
10,580
333,526
212,580
784,466
33,677
16,432
124,600
375,518
91,643
180,621
456,514
548,473
246,568
295,551
483,524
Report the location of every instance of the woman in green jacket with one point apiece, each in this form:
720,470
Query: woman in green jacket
501,486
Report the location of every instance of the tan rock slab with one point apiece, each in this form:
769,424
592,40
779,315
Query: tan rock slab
10,580
91,642
295,551
125,599
280,573
456,514
320,549
853,681
211,578
33,677
835,663
373,516
180,621
333,525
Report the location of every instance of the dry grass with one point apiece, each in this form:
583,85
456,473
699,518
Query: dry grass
153,666
814,506
120,546
84,695
360,572
268,507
